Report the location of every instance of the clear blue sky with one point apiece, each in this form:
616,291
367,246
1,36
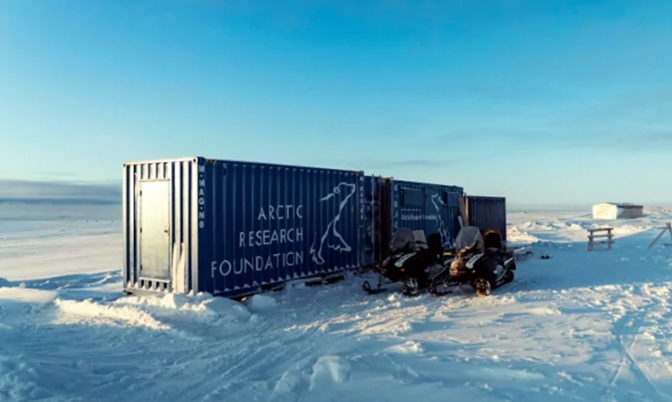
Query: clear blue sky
541,101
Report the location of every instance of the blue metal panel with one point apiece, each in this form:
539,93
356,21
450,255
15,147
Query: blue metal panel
376,218
260,225
487,213
182,176
430,207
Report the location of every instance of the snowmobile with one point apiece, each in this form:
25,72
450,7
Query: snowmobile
410,256
478,259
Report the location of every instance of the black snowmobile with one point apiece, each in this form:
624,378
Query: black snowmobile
410,256
478,259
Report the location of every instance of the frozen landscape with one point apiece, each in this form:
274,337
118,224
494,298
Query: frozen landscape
580,326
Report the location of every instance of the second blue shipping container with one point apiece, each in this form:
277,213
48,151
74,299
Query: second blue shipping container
233,228
433,208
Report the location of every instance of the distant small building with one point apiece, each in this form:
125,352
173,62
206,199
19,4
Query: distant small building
615,210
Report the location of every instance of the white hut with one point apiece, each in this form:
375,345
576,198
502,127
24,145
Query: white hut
615,210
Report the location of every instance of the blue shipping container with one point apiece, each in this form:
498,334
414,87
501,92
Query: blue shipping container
234,228
487,213
430,207
392,204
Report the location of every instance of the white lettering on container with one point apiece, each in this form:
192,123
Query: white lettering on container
280,212
257,264
268,237
419,217
201,197
289,257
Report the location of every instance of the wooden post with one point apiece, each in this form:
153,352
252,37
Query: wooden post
668,228
463,211
592,236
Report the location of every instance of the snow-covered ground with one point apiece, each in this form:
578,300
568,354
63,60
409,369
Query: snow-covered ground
580,326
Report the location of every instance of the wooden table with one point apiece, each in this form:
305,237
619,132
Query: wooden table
592,236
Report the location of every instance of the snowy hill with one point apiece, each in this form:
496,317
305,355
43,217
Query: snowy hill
580,326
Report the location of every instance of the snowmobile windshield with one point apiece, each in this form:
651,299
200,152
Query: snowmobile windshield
468,236
420,239
403,239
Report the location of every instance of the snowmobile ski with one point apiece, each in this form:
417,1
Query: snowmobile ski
366,286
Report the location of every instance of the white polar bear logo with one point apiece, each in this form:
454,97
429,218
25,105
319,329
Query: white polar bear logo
441,225
331,238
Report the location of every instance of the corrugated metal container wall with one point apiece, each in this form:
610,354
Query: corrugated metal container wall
159,201
429,207
370,202
265,224
487,212
376,197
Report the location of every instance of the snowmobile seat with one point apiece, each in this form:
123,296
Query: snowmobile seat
492,241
